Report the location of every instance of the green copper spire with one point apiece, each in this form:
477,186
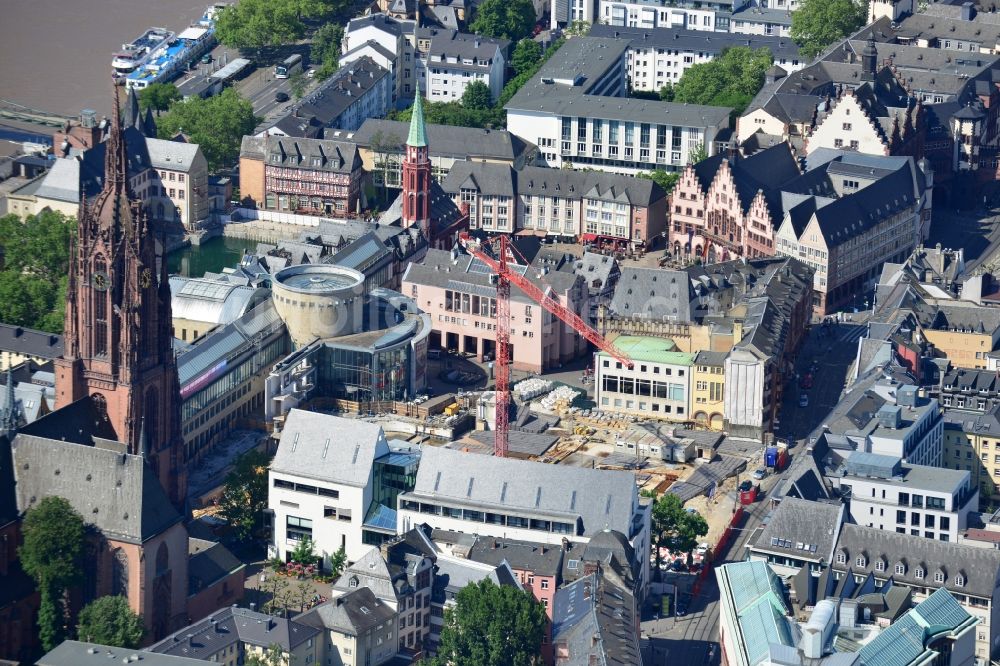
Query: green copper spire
418,133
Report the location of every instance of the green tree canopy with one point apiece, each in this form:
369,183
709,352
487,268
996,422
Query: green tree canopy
518,81
698,154
665,180
244,495
257,24
675,528
454,113
217,124
110,621
817,24
730,80
33,273
326,48
158,96
491,626
505,19
477,96
526,55
51,554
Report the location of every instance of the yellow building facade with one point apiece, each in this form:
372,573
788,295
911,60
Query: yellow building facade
707,383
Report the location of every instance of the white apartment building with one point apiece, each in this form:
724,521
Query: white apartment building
577,113
658,385
325,480
455,59
712,15
660,56
394,36
760,20
886,493
909,430
183,181
528,500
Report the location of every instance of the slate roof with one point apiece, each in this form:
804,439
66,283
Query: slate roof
444,212
594,620
565,83
232,626
968,318
653,293
444,140
28,341
116,492
324,106
208,563
766,170
334,156
176,155
801,529
464,46
682,39
463,273
354,613
980,566
529,488
328,448
541,559
79,653
452,574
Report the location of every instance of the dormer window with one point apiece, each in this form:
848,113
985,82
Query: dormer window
879,565
960,580
861,561
900,569
841,558
353,582
939,577
919,573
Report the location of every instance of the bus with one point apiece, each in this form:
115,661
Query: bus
288,67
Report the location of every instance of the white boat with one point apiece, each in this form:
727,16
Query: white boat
137,51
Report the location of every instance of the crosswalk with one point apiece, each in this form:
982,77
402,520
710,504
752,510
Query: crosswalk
853,333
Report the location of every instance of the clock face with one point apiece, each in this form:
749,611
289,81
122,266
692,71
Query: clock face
145,278
100,281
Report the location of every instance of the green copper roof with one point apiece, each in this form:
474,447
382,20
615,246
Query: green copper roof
656,350
418,132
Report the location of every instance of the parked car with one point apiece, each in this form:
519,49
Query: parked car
701,549
759,473
281,97
803,400
745,486
807,381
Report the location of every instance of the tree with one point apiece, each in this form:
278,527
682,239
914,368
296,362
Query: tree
698,154
338,561
491,625
504,19
51,554
477,96
297,85
667,93
217,124
730,80
257,24
675,528
244,495
110,621
278,588
454,113
273,656
304,552
665,180
326,47
518,81
158,96
526,55
817,24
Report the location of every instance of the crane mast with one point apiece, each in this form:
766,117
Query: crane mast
503,277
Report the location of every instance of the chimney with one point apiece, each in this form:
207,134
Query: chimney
737,331
968,11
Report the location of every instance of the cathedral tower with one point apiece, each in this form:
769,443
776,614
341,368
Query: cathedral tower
117,333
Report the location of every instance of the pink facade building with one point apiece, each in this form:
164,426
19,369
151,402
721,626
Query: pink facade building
728,206
456,291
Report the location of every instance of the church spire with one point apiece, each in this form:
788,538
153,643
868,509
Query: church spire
418,130
115,160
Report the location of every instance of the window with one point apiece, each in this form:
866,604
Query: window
918,573
938,576
879,565
861,561
960,580
545,584
900,569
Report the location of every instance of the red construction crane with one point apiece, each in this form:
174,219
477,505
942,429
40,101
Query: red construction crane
504,277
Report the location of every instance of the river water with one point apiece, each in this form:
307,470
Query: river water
55,55
211,256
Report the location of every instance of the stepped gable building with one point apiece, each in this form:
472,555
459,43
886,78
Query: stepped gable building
118,352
